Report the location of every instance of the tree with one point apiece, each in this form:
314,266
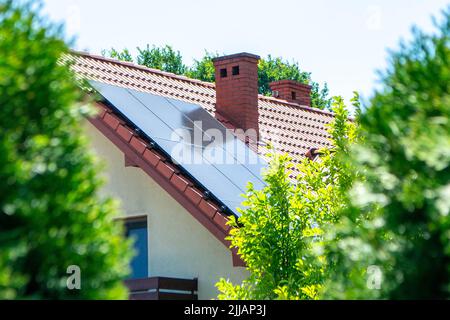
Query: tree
203,69
281,225
320,96
162,58
51,219
269,70
393,240
123,55
275,69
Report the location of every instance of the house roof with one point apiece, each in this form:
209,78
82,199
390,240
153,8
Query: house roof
289,127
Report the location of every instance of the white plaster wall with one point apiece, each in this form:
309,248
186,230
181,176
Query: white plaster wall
179,246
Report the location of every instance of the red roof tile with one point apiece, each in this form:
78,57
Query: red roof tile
179,182
165,169
151,157
138,144
193,194
222,221
208,208
125,133
112,121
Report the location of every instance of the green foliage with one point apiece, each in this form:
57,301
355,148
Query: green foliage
123,55
275,69
50,214
397,220
203,69
282,225
162,58
320,96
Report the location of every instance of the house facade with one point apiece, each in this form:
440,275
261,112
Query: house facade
177,211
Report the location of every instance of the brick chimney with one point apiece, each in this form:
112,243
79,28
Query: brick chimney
237,89
292,91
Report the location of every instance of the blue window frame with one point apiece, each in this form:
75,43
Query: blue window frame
138,231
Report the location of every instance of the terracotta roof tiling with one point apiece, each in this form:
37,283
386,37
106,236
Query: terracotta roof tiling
289,127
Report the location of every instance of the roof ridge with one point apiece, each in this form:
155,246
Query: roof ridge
191,80
143,68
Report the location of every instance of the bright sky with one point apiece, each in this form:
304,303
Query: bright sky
341,42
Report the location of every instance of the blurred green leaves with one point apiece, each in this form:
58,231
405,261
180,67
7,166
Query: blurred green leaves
50,214
397,217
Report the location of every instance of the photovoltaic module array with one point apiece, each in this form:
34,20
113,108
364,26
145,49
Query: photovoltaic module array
195,140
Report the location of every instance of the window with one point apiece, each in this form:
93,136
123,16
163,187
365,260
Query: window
235,70
293,95
137,229
223,73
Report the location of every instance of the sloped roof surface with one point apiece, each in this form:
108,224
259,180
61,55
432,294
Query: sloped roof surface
289,127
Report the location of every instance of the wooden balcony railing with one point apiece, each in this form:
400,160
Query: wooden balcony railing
161,288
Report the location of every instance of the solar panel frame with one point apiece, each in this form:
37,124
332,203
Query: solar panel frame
165,119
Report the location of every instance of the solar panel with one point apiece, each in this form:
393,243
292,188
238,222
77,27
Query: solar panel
195,140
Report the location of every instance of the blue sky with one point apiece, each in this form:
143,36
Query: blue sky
341,42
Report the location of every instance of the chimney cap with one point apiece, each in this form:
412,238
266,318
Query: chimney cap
237,55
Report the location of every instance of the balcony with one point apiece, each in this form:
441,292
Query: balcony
161,288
